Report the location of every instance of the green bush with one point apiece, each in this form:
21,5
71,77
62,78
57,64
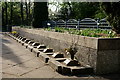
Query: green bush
58,29
85,32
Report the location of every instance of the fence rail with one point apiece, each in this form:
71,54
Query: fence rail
84,23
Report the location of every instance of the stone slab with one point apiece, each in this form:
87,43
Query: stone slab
58,55
44,57
41,46
27,40
19,41
22,43
81,70
60,59
48,50
66,71
57,66
69,62
35,50
26,45
35,43
30,47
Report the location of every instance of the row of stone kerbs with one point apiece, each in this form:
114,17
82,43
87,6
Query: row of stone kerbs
55,60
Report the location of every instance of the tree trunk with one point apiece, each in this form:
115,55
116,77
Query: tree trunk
40,14
11,13
6,15
11,16
29,13
3,18
21,9
26,13
3,12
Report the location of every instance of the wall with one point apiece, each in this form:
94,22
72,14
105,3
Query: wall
103,54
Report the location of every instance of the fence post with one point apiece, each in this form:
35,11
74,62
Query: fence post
98,22
66,23
55,24
78,24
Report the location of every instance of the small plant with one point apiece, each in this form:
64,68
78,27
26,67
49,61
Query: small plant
72,51
14,32
111,34
48,29
21,26
58,29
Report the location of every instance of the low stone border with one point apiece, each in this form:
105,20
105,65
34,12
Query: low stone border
54,62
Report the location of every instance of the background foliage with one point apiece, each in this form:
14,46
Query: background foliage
21,13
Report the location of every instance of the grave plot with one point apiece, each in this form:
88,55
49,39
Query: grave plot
33,45
39,48
26,41
29,43
57,60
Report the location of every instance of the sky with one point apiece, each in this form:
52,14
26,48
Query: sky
54,7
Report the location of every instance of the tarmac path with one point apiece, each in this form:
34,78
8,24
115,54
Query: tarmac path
19,62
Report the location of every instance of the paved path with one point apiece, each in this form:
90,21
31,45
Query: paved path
19,62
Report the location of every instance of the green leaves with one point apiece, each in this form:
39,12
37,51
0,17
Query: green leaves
111,34
40,14
80,10
58,29
48,29
85,32
112,11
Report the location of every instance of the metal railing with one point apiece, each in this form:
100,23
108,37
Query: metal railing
84,23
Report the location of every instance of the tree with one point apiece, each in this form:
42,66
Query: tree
26,12
29,4
6,13
11,17
63,11
16,13
11,13
112,10
40,14
3,17
16,18
3,13
80,10
22,15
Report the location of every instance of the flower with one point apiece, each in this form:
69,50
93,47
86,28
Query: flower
14,32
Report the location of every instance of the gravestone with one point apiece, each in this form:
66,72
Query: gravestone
41,46
58,55
48,50
70,62
27,40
